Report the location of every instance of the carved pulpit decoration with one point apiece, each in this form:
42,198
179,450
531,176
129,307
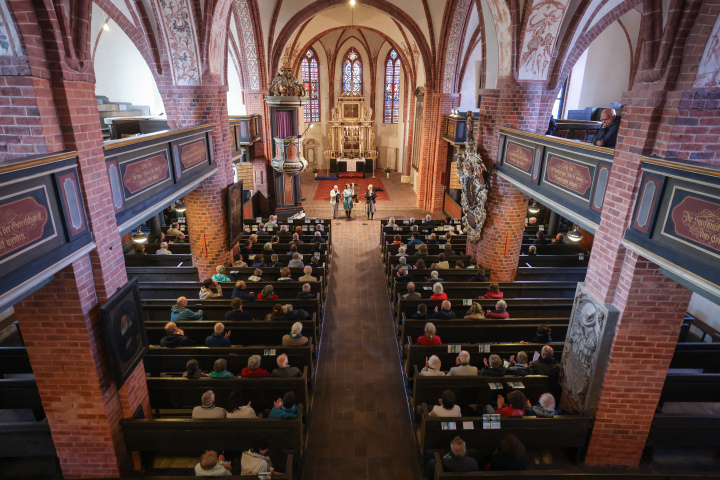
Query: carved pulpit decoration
587,343
472,185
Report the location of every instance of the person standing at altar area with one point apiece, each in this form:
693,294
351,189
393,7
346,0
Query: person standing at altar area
334,193
348,200
370,198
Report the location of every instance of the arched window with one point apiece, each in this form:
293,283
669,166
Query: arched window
392,87
352,72
311,81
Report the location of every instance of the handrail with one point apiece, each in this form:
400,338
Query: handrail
551,139
35,160
110,144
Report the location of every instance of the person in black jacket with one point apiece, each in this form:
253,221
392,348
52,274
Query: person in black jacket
240,292
510,455
540,240
607,135
444,313
546,365
404,276
306,293
493,368
429,222
455,461
174,337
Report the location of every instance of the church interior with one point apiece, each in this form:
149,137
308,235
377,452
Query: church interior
360,239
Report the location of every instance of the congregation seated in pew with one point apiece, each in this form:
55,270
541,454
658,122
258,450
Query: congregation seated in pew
463,367
295,337
175,337
206,291
500,311
220,370
237,314
444,312
253,368
219,338
429,338
284,369
306,292
180,312
213,465
208,409
284,407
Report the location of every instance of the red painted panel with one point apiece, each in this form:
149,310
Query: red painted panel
193,153
145,173
698,220
520,157
569,175
22,222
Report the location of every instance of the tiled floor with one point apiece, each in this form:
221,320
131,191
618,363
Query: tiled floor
360,427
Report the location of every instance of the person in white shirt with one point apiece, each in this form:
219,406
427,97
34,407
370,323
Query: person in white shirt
333,201
208,408
238,410
432,367
308,275
212,465
447,407
163,250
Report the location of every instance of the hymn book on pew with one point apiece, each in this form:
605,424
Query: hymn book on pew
495,386
448,426
269,352
491,422
484,348
517,385
453,348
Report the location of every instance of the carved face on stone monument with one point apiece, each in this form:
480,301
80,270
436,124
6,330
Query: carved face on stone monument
586,333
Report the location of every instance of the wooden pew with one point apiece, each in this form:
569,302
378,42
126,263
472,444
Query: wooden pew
152,248
173,393
14,360
193,437
705,356
416,354
172,290
26,439
567,432
476,390
448,275
516,307
215,309
584,473
172,361
243,333
473,332
272,274
554,260
477,289
679,387
159,260
681,431
18,394
393,260
564,274
161,274
553,249
433,249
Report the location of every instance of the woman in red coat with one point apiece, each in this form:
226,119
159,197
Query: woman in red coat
438,293
499,312
268,293
253,369
429,338
493,292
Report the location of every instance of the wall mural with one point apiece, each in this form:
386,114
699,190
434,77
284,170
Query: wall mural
709,70
503,31
9,41
177,23
474,190
541,31
453,44
248,39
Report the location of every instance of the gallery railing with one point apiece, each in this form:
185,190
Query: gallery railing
43,226
149,172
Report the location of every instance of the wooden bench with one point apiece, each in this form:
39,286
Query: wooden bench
553,249
172,361
433,249
416,354
705,356
271,274
538,274
16,394
161,274
172,290
193,437
216,308
567,432
554,260
475,332
679,387
516,307
475,390
173,393
26,439
179,260
681,431
14,360
243,332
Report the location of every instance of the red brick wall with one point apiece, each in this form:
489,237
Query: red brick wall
504,225
62,330
653,307
206,205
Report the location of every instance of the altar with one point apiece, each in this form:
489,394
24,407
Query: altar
351,136
351,164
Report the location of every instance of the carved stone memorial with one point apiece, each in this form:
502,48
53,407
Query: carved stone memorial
587,344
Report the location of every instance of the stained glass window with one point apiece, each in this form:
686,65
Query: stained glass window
311,81
352,72
392,87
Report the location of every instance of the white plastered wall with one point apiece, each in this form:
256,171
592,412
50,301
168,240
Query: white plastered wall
319,131
388,135
121,73
705,310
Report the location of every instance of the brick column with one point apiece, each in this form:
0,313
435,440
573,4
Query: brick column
499,247
433,150
653,307
61,322
517,105
206,205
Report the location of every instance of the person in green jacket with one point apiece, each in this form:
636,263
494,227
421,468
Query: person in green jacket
220,369
220,275
180,312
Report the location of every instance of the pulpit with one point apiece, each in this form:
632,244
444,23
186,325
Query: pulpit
351,136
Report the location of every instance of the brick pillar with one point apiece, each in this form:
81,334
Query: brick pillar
653,307
61,322
517,105
433,150
502,235
206,205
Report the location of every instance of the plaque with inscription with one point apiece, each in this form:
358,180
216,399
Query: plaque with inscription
145,173
193,153
697,219
24,221
520,157
569,175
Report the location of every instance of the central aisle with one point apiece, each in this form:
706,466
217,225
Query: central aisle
360,427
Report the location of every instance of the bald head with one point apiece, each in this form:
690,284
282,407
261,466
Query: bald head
182,301
547,351
170,328
410,287
446,305
607,116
